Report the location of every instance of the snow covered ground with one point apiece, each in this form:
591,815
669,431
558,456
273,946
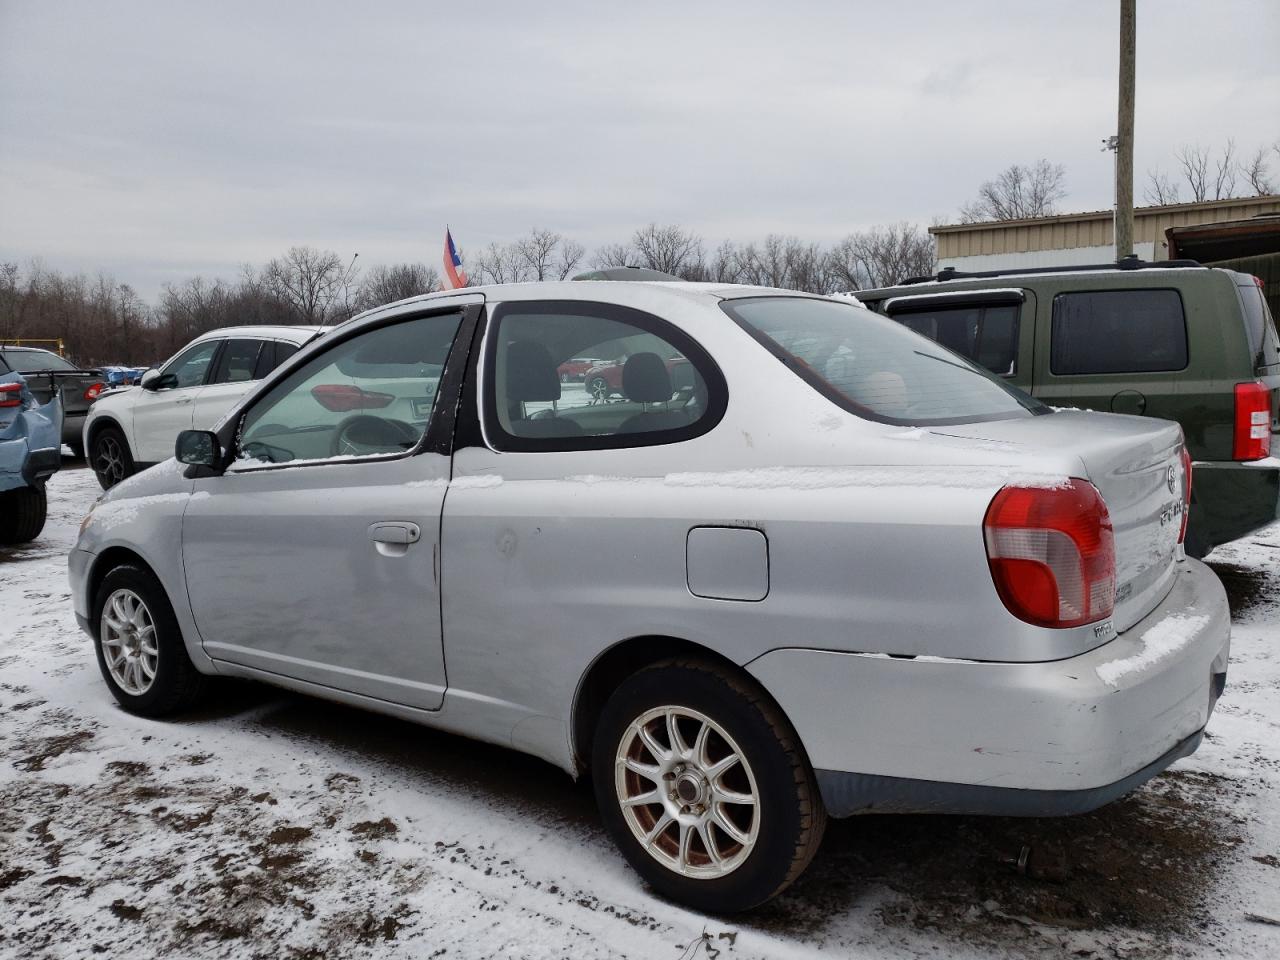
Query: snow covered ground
272,825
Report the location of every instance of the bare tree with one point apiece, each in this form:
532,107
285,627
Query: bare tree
499,263
669,248
310,281
1161,189
1224,184
1018,192
383,284
571,254
1255,169
882,256
615,255
1194,161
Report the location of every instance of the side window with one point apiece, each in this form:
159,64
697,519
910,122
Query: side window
1118,331
274,353
370,395
578,376
237,362
189,368
987,335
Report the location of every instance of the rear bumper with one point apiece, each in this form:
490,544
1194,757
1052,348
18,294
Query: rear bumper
1230,500
1028,739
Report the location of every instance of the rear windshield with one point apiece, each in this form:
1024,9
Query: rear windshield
1257,319
34,361
875,368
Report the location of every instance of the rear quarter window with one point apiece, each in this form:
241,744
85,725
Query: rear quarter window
1257,318
1118,331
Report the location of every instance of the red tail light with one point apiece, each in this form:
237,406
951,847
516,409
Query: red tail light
91,394
10,394
1052,553
345,397
1253,422
1186,492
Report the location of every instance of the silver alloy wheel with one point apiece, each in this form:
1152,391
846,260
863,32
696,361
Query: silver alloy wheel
598,388
128,637
109,459
687,792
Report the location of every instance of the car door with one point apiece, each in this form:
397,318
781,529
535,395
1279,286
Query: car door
323,566
233,376
159,415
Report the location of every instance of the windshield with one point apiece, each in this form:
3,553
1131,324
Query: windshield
35,361
875,368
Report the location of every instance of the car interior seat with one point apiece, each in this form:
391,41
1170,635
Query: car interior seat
532,378
646,379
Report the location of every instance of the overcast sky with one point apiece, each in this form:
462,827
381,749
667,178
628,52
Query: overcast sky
158,140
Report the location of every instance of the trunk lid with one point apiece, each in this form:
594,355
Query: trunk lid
1135,462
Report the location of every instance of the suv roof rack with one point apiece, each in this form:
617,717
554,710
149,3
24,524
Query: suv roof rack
1126,263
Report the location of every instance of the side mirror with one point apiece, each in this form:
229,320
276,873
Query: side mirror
148,380
198,448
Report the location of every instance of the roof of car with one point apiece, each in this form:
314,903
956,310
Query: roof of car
7,348
596,290
298,334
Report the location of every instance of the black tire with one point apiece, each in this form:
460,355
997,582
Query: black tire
176,685
109,457
788,805
22,514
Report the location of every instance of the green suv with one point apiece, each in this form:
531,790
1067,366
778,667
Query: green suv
1175,340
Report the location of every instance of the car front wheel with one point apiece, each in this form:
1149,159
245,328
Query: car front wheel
110,457
705,788
139,645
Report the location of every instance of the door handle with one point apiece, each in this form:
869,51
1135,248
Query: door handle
181,400
392,538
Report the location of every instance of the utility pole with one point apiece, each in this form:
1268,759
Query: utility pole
1124,129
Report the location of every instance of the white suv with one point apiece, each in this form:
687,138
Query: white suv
131,429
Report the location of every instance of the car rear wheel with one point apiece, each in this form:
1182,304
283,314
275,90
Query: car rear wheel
704,786
599,388
139,645
110,457
22,514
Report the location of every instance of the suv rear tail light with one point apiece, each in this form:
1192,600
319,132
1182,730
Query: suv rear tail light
91,394
1186,492
345,397
1052,553
10,394
1253,422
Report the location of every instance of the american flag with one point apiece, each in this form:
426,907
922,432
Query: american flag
454,277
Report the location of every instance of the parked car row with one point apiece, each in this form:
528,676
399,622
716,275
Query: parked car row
826,520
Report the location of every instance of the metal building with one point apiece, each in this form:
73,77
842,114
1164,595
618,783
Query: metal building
1076,238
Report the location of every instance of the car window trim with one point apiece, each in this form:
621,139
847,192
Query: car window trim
433,439
490,428
1186,332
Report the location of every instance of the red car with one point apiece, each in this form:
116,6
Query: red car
575,369
604,379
